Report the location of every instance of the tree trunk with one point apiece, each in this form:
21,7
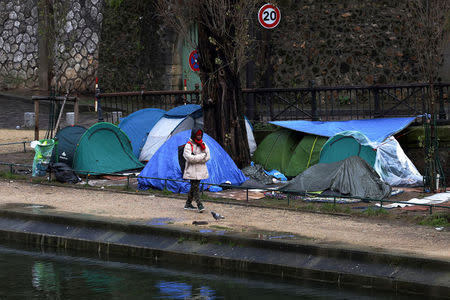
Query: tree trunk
222,99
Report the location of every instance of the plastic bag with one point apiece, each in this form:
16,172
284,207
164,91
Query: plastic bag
43,153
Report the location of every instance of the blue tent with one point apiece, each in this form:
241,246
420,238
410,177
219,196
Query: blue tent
137,126
376,130
164,164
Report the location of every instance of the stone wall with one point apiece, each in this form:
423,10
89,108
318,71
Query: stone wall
72,34
18,43
137,49
77,27
340,42
330,42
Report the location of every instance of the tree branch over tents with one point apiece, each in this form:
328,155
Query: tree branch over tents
429,33
223,44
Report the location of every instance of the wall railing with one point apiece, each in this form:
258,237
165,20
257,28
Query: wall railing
311,103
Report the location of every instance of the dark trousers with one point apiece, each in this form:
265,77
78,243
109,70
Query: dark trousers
194,192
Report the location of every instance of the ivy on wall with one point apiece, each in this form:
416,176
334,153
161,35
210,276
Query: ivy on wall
131,57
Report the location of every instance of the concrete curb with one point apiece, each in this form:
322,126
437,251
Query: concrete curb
294,259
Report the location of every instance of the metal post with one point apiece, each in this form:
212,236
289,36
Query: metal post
11,169
197,95
313,101
36,120
442,115
431,209
128,181
376,102
76,111
247,194
24,149
99,107
87,178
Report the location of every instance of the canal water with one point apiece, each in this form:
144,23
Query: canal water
26,274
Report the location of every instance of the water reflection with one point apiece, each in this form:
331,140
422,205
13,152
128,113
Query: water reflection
34,275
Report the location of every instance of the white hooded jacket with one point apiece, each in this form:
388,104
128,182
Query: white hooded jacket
196,158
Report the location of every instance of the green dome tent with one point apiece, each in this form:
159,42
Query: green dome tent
346,144
68,139
305,155
104,148
288,151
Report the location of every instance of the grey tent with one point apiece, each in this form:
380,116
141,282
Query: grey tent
350,177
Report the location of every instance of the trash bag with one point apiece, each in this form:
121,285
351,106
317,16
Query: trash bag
63,173
43,152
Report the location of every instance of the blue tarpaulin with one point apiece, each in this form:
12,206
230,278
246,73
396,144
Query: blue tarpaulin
183,111
376,130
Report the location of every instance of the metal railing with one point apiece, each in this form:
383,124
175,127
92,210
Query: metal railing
311,103
124,103
344,102
24,143
289,196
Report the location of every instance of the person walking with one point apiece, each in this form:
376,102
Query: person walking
196,153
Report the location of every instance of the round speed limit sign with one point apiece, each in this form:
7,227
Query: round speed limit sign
269,16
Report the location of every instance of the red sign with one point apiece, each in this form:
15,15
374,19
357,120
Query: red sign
269,16
193,61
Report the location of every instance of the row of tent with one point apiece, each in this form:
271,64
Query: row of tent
104,149
143,140
148,139
148,129
302,144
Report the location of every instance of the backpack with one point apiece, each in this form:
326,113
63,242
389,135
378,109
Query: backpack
64,173
181,159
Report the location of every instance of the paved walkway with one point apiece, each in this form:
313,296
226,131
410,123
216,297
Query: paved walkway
348,232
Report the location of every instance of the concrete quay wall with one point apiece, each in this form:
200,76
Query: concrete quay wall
302,260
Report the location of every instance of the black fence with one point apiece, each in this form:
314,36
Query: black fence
114,105
312,103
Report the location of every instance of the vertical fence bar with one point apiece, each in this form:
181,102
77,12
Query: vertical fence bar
99,106
36,120
313,101
76,111
442,115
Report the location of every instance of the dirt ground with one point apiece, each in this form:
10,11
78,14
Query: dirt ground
383,235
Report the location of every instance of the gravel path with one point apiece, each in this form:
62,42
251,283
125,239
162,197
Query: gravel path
336,230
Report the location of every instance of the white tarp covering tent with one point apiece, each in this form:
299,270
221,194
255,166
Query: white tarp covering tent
179,119
394,167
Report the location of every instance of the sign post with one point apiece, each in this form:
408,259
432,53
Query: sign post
269,16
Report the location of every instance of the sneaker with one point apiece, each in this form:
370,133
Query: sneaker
200,207
189,206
